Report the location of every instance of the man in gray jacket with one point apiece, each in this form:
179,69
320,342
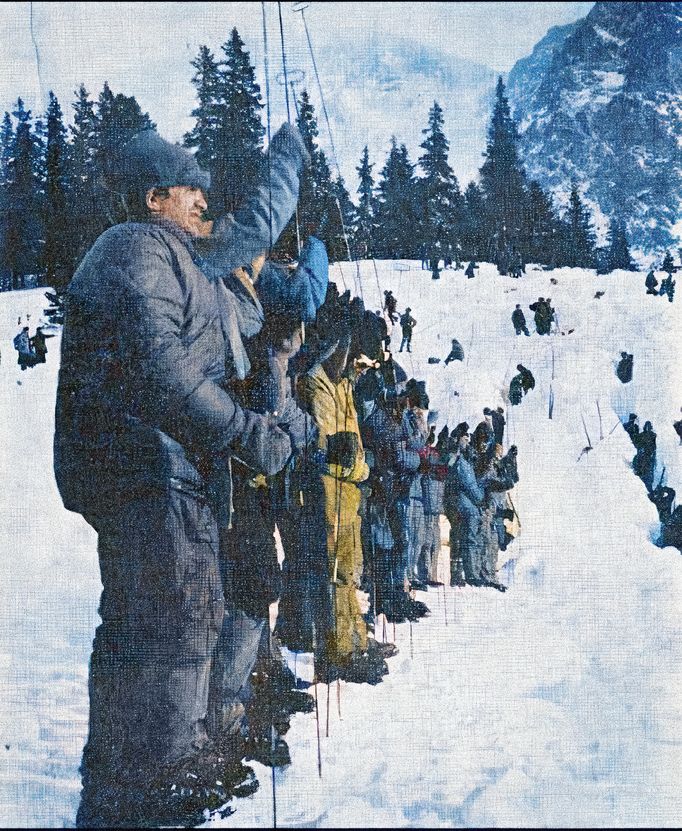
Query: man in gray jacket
143,413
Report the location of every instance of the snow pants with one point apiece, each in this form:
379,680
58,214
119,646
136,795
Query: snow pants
162,609
427,567
468,529
416,528
345,563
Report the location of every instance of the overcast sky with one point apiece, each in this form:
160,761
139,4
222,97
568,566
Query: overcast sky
145,47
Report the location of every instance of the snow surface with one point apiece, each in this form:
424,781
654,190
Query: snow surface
555,704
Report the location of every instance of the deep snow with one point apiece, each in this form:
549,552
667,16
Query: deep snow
555,704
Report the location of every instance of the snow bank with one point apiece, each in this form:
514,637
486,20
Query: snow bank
555,704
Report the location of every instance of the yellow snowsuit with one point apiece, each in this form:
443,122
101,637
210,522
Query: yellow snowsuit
331,406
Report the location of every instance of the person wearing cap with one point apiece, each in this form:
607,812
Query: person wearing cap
407,324
140,419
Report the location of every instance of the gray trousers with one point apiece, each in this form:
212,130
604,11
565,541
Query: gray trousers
468,531
162,610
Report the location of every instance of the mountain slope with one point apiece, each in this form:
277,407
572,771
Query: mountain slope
599,102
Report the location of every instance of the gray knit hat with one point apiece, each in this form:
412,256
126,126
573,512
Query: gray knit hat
149,161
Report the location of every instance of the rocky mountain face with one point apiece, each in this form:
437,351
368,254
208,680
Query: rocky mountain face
599,102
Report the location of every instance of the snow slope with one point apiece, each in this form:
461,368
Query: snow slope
555,704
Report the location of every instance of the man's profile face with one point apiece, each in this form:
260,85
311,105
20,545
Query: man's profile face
184,206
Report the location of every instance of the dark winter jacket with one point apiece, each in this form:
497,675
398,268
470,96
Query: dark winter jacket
463,492
498,426
142,397
407,323
518,319
624,368
527,379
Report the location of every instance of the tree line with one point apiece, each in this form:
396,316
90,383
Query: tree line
57,193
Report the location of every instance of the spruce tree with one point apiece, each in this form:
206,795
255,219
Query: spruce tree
397,206
540,226
119,118
474,223
6,149
22,231
441,202
57,221
204,135
364,228
84,206
238,155
618,254
579,242
503,184
668,265
318,212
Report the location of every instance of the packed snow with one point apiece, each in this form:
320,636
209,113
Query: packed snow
555,704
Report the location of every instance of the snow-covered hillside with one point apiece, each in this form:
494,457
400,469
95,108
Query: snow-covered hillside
555,704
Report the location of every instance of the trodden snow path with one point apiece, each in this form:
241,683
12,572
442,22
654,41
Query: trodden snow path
555,704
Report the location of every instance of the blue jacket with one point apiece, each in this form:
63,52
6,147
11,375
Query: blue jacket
301,293
463,491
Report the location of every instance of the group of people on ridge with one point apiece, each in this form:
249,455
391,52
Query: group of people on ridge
203,423
31,350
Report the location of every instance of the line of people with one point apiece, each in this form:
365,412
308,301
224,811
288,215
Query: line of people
667,286
201,424
663,497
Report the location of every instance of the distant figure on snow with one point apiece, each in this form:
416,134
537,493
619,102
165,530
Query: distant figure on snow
631,427
624,368
456,353
38,342
644,463
668,287
390,304
651,283
22,343
407,323
470,269
435,270
543,315
515,390
519,321
527,379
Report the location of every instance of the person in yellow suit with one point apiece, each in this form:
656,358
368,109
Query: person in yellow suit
346,651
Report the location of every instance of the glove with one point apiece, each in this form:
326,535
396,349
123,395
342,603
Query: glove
300,428
342,448
261,445
288,141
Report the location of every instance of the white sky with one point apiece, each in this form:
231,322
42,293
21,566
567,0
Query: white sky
145,48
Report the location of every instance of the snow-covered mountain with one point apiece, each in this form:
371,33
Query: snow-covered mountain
599,101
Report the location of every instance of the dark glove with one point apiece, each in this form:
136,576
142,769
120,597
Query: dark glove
342,448
261,445
299,426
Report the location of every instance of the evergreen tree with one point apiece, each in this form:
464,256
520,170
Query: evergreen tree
318,212
503,184
340,237
441,203
397,208
203,135
57,222
618,251
119,118
6,145
237,156
22,232
6,149
668,265
579,236
84,206
364,228
474,224
541,229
